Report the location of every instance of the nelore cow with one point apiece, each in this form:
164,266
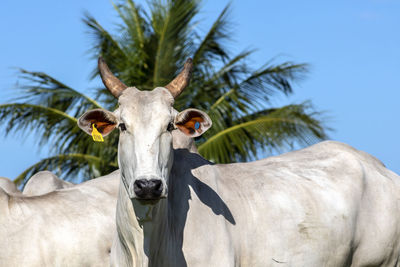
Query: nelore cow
66,227
326,205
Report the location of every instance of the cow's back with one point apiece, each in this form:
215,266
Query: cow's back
44,182
327,205
8,186
68,227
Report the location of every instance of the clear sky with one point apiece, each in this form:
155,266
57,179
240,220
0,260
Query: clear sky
352,47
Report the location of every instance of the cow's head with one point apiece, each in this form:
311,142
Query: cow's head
145,120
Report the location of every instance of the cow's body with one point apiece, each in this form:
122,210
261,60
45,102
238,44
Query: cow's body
327,205
44,182
68,227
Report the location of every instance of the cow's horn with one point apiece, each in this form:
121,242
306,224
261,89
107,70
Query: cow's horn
177,85
113,84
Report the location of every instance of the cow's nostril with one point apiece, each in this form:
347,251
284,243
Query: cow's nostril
140,184
157,186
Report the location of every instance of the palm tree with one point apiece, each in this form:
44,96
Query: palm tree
148,50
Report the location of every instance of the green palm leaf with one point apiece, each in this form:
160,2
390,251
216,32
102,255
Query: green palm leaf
211,46
23,117
263,83
69,167
42,89
268,131
105,45
171,24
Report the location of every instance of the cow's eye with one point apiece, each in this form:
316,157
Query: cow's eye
170,127
122,126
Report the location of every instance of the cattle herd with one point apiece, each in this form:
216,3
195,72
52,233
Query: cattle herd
325,205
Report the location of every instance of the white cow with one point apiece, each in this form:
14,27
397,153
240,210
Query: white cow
44,182
326,205
67,227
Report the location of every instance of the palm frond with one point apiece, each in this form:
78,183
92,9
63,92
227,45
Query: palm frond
211,46
134,24
268,131
69,167
105,45
171,24
41,89
54,127
135,37
210,86
21,117
264,82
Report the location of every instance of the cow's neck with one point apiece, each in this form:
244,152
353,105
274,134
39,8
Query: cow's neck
182,141
153,234
129,233
146,233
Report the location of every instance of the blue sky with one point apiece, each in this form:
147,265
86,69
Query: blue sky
352,47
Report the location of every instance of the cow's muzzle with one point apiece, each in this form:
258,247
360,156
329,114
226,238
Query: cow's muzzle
148,189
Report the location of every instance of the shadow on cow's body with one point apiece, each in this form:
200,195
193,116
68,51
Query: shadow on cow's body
204,192
182,191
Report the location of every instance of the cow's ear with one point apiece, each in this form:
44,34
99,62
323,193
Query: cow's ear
104,121
192,122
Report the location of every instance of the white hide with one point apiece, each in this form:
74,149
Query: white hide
8,186
67,227
44,182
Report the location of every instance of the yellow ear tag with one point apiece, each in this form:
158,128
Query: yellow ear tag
97,137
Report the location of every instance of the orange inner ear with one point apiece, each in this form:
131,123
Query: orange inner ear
103,127
189,127
103,121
